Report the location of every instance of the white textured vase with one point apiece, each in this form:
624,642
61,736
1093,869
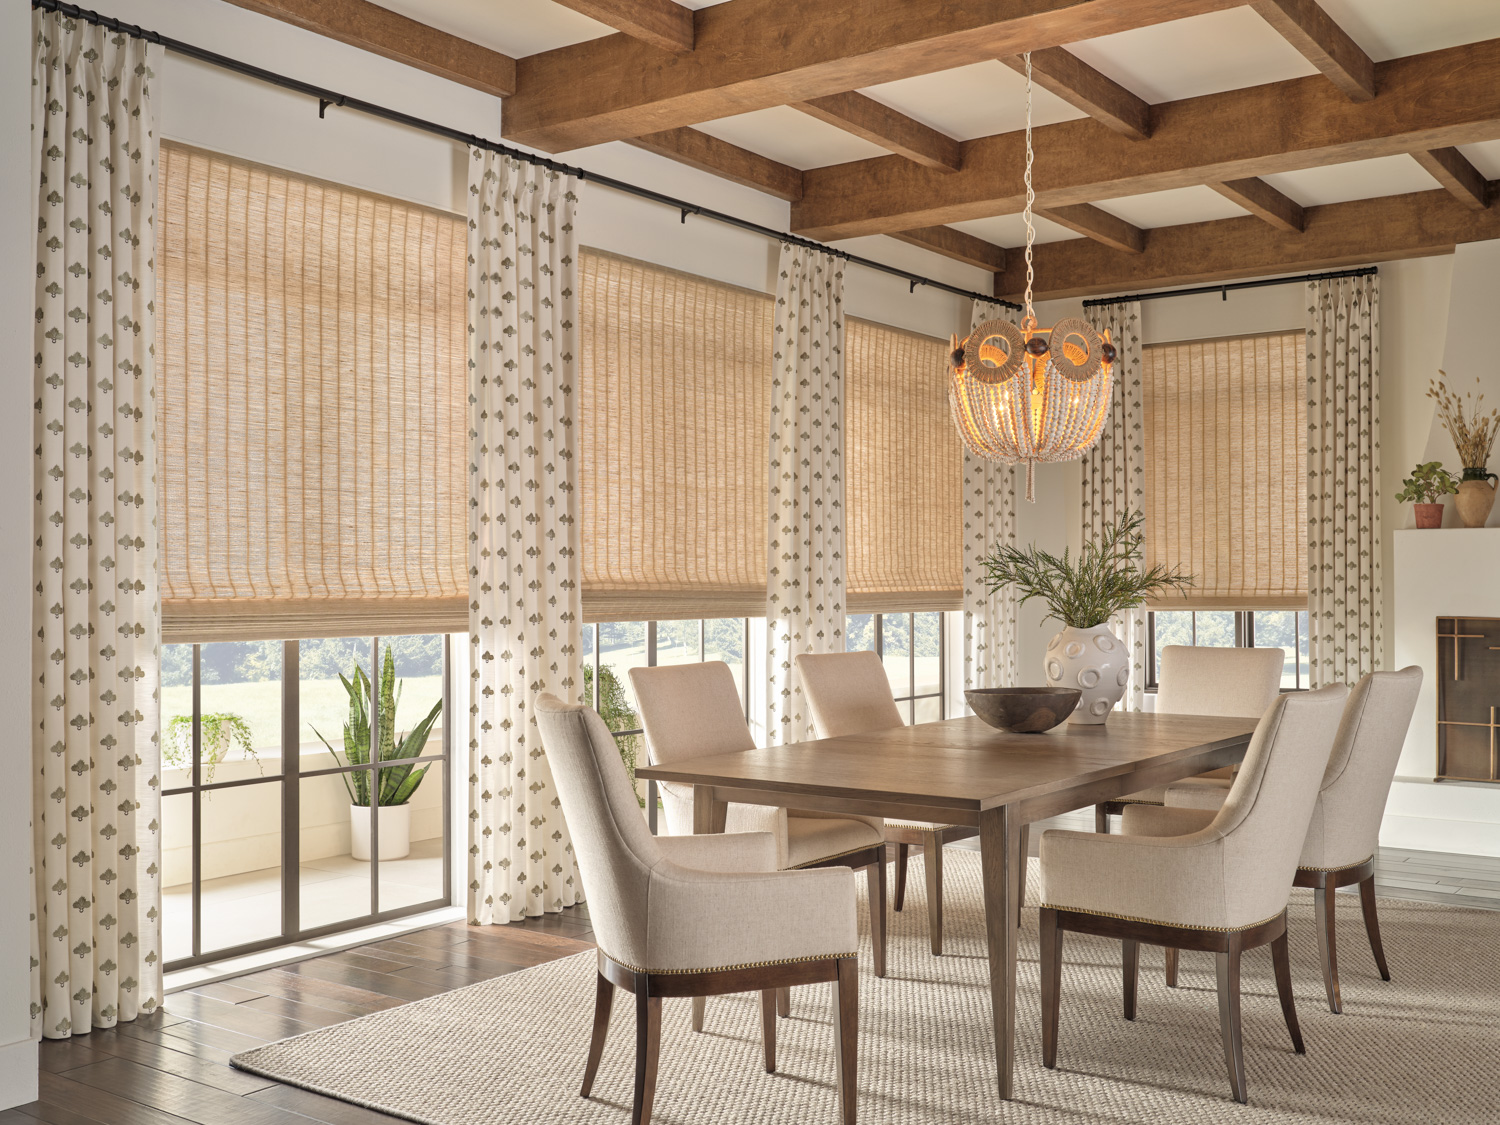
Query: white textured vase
1094,661
395,831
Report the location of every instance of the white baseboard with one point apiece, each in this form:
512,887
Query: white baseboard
18,1073
1430,834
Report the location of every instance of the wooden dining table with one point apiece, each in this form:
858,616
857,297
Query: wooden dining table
960,771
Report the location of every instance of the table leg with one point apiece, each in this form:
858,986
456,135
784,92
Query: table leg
709,813
1000,854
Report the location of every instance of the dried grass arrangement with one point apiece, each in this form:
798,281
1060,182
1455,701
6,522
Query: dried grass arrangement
1473,435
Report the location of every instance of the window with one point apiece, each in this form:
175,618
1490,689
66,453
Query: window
912,647
1265,628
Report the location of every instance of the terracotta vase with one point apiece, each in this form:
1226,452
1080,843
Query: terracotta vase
1476,496
1429,515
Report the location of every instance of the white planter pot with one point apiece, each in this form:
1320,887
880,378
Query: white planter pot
1095,662
395,831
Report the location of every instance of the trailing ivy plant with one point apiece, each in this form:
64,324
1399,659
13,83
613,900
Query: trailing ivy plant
1107,578
220,731
397,783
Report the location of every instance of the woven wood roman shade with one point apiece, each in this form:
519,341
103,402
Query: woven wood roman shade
1226,451
903,468
310,407
674,425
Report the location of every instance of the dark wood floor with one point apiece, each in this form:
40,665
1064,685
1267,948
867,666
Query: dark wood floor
173,1068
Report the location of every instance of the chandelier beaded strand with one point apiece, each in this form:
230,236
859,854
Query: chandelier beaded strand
1057,412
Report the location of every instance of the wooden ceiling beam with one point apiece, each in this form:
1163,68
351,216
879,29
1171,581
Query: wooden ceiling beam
1337,235
880,124
1452,169
957,245
1264,202
698,150
661,23
755,54
1428,101
1063,73
1306,26
383,32
1098,224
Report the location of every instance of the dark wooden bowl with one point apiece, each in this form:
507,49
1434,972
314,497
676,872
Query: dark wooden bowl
1024,710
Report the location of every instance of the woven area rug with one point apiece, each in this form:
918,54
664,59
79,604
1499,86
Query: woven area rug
1421,1049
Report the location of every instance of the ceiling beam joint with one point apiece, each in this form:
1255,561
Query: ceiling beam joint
1452,169
880,124
1064,74
1306,26
661,23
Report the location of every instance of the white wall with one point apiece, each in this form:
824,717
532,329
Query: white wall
17,251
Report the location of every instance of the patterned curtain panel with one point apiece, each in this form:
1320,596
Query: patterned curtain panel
989,515
805,585
1346,635
97,953
1114,472
525,618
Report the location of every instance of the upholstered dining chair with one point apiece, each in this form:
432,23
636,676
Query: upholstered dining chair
692,915
1205,680
850,693
1339,850
1221,888
690,710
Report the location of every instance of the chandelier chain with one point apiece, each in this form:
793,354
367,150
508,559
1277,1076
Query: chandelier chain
1029,319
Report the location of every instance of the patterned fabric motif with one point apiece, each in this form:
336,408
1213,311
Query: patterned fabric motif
1346,635
96,954
1114,472
805,558
990,621
524,614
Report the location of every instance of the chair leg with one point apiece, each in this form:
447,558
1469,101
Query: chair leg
1025,867
604,999
1323,907
932,867
1052,939
846,1036
647,1047
784,1002
1228,965
700,1005
1130,967
1101,820
1172,966
876,875
1372,923
1283,964
899,899
768,1027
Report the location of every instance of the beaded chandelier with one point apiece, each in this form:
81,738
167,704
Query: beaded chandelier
1022,394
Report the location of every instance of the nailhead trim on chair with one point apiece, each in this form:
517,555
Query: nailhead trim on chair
837,855
1158,922
729,968
1341,867
928,826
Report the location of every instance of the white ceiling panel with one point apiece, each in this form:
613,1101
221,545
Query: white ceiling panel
794,138
1485,156
1389,29
1010,230
514,27
1187,58
1359,179
1172,208
972,101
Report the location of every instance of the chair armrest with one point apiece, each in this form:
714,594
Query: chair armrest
1198,793
1173,880
730,851
1159,820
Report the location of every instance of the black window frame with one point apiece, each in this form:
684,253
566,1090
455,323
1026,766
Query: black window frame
1244,637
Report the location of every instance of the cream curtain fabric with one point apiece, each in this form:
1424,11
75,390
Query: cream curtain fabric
805,589
96,953
1114,471
524,612
674,416
989,519
1346,634
311,396
1226,495
903,472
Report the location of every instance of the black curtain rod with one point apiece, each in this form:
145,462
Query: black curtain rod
328,98
1223,290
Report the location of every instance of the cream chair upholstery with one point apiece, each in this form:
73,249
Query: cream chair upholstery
1223,887
693,905
1207,680
1344,831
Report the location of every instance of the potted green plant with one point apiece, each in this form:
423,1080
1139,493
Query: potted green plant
1424,489
1108,578
396,783
220,730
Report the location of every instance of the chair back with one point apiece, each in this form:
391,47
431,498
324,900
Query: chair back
849,693
1265,816
614,849
1345,827
1203,680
